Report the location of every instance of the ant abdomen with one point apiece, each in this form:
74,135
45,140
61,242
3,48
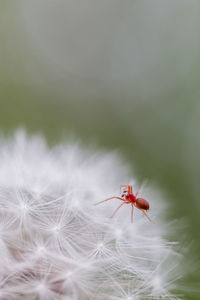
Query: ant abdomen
142,204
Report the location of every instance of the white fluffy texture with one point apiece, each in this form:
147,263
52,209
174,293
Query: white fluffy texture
56,244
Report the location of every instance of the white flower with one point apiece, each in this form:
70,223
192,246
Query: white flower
56,244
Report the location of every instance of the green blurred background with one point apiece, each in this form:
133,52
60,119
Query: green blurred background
121,74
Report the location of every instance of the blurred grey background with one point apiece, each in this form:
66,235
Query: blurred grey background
121,74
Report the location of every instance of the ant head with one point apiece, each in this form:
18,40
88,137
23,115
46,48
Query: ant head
124,193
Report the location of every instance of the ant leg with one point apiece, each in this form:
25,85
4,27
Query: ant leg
116,210
132,214
124,186
144,213
137,194
109,199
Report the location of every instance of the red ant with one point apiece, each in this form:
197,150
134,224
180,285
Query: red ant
128,197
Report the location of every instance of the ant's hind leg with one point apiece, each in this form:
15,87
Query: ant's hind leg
132,214
145,214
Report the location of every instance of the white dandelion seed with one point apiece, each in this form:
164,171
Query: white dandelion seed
56,244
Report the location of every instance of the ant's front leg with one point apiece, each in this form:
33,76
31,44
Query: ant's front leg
109,199
129,188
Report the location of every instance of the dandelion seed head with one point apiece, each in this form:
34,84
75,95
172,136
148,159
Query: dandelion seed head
100,246
118,232
41,288
41,250
56,229
76,204
24,208
65,247
157,284
69,275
